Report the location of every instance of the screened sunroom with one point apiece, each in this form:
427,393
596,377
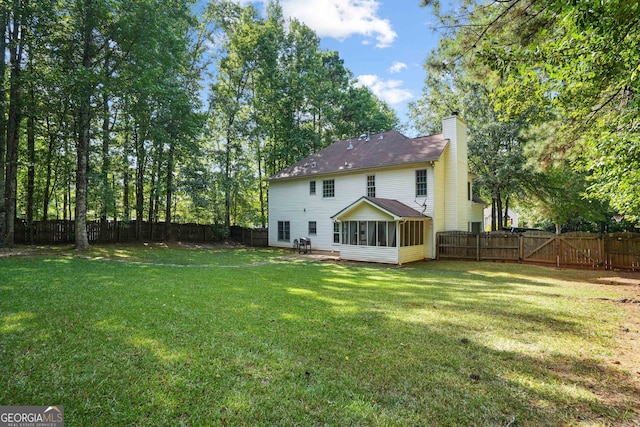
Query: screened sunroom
381,230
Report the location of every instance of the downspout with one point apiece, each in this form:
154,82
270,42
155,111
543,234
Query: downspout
434,243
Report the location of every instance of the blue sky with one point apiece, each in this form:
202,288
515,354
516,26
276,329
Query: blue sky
383,42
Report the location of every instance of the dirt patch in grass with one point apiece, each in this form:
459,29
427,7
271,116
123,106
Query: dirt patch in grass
627,352
17,251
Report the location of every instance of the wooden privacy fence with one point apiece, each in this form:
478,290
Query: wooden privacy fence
61,232
250,236
584,250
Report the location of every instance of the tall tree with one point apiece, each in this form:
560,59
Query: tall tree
575,64
90,15
4,25
496,147
230,98
557,195
17,36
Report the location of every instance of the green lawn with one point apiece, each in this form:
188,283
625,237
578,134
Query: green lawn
158,336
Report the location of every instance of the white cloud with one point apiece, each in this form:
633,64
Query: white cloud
389,91
396,67
341,19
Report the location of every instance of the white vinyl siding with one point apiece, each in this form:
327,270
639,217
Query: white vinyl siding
387,255
290,199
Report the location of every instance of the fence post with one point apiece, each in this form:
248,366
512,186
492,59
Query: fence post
602,258
478,247
520,247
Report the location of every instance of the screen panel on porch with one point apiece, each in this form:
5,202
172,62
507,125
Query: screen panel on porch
412,233
369,233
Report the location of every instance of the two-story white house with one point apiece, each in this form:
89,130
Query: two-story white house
379,198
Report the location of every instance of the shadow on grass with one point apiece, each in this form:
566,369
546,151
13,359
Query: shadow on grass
304,344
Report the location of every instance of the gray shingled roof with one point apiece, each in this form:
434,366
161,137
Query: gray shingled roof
394,207
378,150
477,199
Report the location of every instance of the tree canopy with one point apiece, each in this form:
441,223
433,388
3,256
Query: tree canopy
146,111
572,68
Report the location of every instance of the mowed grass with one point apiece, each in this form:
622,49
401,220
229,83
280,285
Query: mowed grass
165,336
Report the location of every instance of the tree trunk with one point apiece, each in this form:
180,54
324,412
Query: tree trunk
84,128
107,193
227,183
493,214
263,216
499,209
140,160
13,128
47,183
66,196
153,190
4,20
154,194
82,239
31,168
167,216
126,208
505,220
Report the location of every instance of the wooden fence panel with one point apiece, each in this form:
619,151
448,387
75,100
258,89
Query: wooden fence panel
101,232
498,245
457,245
622,250
250,236
584,250
45,232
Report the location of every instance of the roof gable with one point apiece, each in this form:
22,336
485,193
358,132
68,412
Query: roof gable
397,210
367,152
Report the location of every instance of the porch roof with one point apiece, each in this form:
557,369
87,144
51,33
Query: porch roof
391,207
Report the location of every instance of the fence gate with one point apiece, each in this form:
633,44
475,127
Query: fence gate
539,247
580,249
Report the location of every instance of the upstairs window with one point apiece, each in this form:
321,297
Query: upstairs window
371,186
312,187
421,182
328,188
